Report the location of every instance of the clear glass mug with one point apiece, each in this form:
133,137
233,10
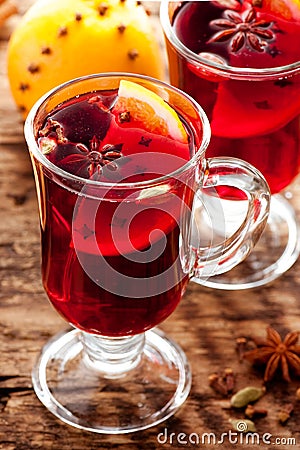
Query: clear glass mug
116,258
254,115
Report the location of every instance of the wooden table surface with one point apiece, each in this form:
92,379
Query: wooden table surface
206,325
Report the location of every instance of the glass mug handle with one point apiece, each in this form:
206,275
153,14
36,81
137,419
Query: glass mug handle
236,173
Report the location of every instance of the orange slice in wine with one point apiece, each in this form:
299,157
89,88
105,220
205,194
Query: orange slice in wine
140,107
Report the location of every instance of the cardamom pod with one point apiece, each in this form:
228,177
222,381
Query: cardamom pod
246,395
244,425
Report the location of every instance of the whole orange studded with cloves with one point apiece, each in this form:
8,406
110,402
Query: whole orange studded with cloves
57,40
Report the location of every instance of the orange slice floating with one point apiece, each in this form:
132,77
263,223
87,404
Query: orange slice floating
144,109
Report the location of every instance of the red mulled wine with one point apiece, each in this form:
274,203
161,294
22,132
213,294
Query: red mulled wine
92,246
255,118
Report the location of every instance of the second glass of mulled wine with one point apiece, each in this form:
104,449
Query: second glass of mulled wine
118,162
241,61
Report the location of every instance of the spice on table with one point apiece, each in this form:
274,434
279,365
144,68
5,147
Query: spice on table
285,413
241,343
222,383
229,379
253,412
246,395
275,352
243,425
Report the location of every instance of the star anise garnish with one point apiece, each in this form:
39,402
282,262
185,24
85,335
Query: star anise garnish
276,353
97,157
242,29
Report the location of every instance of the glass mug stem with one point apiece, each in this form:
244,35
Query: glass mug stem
112,356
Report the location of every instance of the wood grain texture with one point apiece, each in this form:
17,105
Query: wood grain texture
206,325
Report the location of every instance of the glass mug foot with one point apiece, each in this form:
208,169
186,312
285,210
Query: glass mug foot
274,254
112,401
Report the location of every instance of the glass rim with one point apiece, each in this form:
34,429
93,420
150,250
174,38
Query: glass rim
235,72
35,151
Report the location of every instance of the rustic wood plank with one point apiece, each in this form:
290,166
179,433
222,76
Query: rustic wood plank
206,325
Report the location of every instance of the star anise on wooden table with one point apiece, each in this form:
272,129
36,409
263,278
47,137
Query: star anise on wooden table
276,353
242,29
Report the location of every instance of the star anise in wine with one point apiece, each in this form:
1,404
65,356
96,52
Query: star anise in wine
276,353
99,157
242,29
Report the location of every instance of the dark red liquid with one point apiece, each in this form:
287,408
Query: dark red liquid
257,120
87,243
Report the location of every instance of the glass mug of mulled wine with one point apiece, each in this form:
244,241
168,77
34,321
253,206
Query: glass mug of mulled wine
241,61
118,160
